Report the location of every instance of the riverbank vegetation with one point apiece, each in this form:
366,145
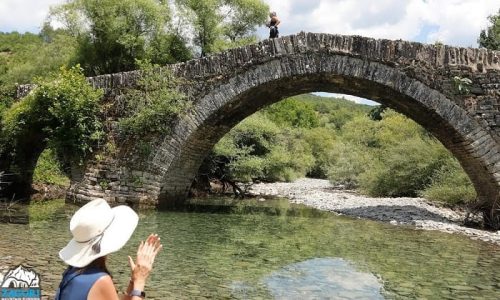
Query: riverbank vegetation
375,150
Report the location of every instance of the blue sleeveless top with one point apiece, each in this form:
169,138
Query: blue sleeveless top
76,285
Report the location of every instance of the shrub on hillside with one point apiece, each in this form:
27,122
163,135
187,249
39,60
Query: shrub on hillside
257,148
403,169
290,158
321,140
292,113
347,162
450,185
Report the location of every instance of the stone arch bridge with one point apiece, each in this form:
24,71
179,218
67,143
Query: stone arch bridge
412,78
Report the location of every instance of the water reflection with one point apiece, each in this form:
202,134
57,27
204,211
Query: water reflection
264,250
323,278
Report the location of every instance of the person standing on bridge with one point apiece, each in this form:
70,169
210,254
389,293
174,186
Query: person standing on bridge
99,230
273,25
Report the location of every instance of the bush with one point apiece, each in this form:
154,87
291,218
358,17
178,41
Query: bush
391,157
62,111
290,158
293,113
321,140
347,163
258,149
245,148
48,170
450,185
153,104
387,155
403,169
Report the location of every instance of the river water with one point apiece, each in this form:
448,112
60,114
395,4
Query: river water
273,250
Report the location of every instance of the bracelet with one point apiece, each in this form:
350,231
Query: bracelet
137,293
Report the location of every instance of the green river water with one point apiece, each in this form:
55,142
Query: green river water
272,250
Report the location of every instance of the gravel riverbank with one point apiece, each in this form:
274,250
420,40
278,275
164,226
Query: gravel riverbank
418,212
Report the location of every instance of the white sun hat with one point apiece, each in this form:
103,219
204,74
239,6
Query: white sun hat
98,230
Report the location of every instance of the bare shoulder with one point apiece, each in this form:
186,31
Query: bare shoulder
103,289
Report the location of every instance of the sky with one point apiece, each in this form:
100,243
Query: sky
452,22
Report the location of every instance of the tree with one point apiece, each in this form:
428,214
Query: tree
222,24
490,37
241,18
205,20
26,56
113,34
292,112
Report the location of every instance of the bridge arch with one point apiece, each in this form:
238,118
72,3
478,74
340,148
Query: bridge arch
246,92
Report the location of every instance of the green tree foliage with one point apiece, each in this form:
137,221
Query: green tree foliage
259,149
282,142
490,37
62,112
26,56
293,113
23,57
450,185
321,141
113,34
334,113
406,159
152,105
48,170
387,155
402,169
396,157
292,138
223,24
346,163
205,21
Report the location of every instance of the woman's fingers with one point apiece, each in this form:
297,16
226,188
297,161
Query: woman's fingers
149,249
141,246
153,243
157,250
151,238
157,243
131,263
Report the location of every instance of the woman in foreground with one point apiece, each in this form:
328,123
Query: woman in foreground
99,230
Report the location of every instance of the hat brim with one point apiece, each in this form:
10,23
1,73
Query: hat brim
114,238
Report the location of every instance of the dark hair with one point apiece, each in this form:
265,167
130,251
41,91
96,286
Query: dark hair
98,263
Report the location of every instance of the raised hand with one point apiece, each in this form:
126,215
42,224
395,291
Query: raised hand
143,264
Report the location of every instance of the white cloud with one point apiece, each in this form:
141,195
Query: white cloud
455,22
24,15
347,97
